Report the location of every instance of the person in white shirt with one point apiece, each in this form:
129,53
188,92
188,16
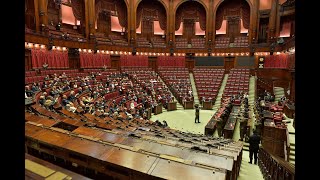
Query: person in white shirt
132,105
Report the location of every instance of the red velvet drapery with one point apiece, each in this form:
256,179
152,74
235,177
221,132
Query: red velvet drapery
91,60
171,61
137,61
54,59
278,61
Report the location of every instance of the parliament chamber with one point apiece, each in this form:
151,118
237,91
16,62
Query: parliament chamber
113,89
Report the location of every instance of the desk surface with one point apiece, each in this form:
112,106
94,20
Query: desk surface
290,106
267,114
176,170
57,170
132,160
29,101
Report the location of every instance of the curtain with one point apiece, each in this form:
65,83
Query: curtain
134,61
171,61
122,13
54,59
77,8
91,60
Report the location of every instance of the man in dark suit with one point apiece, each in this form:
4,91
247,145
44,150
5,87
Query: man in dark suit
254,142
197,114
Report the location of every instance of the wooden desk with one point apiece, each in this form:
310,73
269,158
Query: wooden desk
29,101
57,170
158,109
229,127
176,170
149,113
273,138
231,123
289,110
210,127
207,105
188,104
172,106
267,115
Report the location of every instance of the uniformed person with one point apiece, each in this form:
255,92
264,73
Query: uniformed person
196,120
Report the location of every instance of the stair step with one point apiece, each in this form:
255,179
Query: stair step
291,157
292,162
293,153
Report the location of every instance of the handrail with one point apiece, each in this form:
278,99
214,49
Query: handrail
285,151
290,167
287,146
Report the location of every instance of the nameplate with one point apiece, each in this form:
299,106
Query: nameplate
171,158
124,147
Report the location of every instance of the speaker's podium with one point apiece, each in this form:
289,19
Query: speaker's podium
188,104
207,105
172,106
158,109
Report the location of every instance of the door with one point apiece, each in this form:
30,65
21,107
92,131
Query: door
228,63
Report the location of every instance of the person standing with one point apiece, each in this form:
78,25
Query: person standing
243,126
196,120
254,142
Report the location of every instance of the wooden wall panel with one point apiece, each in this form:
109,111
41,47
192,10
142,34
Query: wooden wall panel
190,63
115,62
153,63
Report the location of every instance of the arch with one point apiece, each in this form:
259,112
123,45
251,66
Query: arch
216,9
184,1
163,5
199,1
221,1
161,1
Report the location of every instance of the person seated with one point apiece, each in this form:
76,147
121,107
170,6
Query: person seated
41,100
158,123
165,124
64,101
70,107
283,98
132,105
72,96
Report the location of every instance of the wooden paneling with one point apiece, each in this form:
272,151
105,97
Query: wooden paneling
115,62
153,62
275,74
229,63
190,63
